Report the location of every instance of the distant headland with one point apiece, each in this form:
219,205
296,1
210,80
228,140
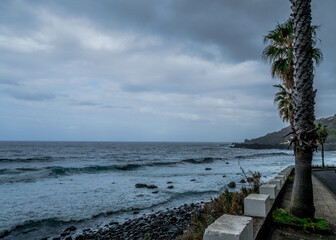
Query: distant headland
279,140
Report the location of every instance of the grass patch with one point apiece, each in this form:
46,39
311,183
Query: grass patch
291,179
226,203
284,216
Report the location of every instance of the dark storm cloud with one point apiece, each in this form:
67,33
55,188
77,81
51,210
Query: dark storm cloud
158,63
235,27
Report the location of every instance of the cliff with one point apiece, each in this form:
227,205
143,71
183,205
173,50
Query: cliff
278,139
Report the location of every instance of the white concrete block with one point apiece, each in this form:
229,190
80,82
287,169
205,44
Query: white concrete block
257,205
282,178
277,182
269,189
284,173
230,227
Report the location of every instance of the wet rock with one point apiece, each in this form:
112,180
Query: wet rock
140,185
242,181
65,233
70,229
193,180
227,163
151,186
169,182
170,187
155,192
135,212
208,169
162,225
224,175
232,185
4,234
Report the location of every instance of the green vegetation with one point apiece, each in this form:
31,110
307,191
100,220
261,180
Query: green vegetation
147,237
226,203
291,179
307,223
322,133
279,53
278,137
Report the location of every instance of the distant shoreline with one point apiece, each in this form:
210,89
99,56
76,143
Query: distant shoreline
327,146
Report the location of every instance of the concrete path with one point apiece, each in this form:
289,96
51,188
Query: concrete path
324,201
325,207
328,178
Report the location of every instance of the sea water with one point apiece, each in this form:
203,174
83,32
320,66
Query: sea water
48,186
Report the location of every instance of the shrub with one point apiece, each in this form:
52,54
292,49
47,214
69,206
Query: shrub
226,203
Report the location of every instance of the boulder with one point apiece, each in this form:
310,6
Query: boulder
232,185
140,185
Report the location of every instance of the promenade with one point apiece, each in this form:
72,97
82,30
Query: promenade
324,187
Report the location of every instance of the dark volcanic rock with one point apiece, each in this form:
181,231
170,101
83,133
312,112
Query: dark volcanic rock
242,181
162,225
170,187
169,182
224,175
70,229
155,192
140,185
232,185
193,180
227,163
207,169
151,186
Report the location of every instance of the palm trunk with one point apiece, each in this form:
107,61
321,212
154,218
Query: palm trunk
322,154
302,204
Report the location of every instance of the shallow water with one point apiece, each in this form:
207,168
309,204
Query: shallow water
46,186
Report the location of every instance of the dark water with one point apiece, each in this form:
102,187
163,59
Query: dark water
47,186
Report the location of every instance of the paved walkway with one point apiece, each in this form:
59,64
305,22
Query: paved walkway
325,207
328,178
324,201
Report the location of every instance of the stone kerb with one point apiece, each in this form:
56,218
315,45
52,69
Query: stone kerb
284,172
269,189
277,182
257,205
282,178
230,227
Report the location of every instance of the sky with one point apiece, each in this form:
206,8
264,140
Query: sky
147,70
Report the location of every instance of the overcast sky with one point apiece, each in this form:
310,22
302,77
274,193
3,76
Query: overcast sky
146,70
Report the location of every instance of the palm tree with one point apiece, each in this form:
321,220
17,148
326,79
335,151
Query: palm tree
280,51
322,133
280,54
304,132
284,100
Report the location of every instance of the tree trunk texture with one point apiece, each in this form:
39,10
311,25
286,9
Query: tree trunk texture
302,204
322,154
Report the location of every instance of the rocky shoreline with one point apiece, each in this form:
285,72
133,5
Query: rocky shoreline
327,146
165,224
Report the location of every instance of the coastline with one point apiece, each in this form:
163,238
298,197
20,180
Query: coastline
327,146
163,224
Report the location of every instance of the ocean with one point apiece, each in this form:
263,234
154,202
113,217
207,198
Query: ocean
48,186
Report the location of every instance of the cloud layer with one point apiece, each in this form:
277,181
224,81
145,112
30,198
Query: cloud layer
145,70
